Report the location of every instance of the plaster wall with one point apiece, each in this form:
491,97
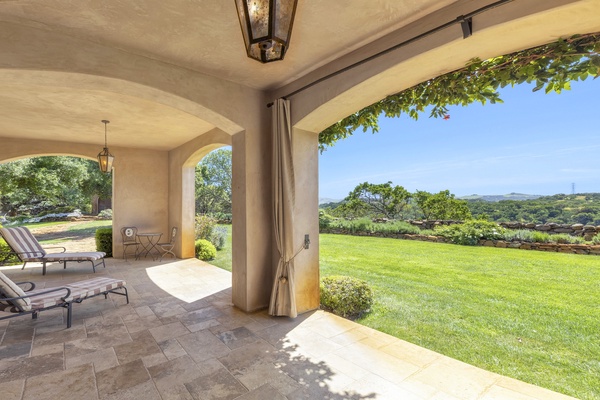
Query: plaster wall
140,193
252,238
14,149
306,218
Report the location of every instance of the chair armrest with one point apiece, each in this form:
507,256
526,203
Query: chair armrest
43,292
24,283
64,249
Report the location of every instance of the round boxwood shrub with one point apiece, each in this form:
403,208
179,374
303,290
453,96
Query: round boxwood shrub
346,296
205,250
104,240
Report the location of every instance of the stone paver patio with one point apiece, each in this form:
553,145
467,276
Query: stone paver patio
181,338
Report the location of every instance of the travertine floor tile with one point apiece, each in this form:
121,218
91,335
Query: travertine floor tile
101,359
12,390
122,377
76,383
169,331
217,385
180,338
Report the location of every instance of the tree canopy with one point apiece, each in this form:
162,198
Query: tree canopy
40,183
549,67
213,183
378,200
442,206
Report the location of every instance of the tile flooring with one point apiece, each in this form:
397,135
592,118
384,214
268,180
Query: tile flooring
181,338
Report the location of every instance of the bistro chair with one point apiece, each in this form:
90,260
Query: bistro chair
129,235
167,248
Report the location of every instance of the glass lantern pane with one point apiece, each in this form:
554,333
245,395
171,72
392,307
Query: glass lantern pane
259,18
242,17
284,12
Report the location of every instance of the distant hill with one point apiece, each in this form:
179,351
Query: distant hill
326,200
499,197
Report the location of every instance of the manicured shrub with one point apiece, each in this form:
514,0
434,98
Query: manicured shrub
7,257
596,239
325,219
366,225
104,240
519,235
204,226
106,214
205,250
471,232
346,296
219,237
541,237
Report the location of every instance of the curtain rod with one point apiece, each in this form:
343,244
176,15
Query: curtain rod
466,22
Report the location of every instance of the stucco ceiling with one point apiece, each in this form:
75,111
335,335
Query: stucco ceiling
200,36
205,35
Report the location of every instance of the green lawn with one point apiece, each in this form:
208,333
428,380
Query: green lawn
530,315
223,258
533,316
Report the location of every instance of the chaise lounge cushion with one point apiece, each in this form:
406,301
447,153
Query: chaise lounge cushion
27,248
10,290
23,243
83,256
79,291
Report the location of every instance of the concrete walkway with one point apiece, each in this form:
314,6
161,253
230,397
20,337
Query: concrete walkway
181,338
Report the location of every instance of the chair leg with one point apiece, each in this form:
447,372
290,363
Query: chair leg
69,314
44,268
24,264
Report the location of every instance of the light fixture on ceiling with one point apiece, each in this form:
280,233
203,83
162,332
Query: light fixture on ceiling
105,159
266,27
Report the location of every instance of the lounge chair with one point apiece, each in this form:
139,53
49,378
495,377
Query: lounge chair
14,301
27,248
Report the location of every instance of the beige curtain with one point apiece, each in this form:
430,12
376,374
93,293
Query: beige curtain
283,299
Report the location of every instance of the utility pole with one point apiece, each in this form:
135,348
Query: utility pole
573,188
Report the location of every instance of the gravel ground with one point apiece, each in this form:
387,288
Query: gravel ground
75,241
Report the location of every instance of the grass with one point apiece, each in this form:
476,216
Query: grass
533,316
223,258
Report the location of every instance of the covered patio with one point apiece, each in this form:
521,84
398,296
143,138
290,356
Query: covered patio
182,338
175,82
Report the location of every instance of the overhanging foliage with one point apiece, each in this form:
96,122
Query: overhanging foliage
550,67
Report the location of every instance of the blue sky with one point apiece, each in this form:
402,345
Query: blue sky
533,143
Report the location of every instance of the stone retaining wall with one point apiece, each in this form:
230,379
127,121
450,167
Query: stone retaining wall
585,231
552,247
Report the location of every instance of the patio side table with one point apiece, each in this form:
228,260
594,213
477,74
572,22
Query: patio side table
148,242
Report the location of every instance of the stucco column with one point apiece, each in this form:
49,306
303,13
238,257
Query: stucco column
306,218
252,219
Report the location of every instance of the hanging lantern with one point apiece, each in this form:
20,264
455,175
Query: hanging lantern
105,159
266,27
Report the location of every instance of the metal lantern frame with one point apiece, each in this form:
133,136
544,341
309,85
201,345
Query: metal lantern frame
266,27
105,159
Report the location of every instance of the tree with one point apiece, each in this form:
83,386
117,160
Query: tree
379,200
550,67
442,206
42,183
213,183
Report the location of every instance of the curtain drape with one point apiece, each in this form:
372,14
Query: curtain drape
283,299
